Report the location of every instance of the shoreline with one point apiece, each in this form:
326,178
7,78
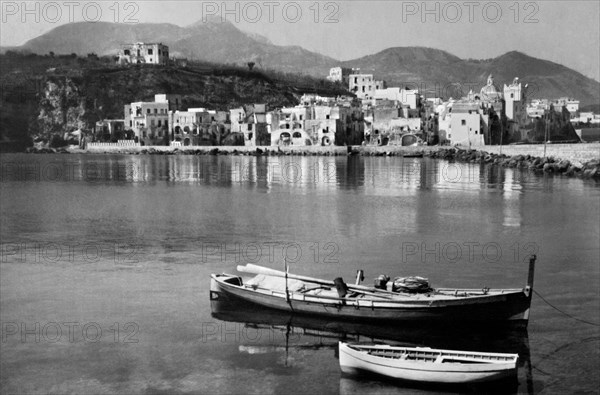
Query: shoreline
582,160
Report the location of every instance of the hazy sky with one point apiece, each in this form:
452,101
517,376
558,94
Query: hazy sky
566,32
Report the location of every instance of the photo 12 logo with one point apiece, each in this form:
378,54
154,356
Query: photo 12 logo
470,11
69,332
320,252
52,252
271,11
60,12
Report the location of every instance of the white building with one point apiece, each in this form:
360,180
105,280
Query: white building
148,120
364,85
409,97
144,53
468,124
572,105
338,74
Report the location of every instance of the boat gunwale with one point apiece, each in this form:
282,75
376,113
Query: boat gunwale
426,349
409,302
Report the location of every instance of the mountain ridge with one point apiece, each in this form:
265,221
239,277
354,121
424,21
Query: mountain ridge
222,42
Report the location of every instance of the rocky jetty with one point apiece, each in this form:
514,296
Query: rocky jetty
47,150
548,165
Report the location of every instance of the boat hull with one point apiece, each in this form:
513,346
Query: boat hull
513,306
356,362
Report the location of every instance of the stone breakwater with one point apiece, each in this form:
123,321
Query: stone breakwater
589,169
580,160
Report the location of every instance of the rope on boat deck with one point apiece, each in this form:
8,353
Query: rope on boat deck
559,310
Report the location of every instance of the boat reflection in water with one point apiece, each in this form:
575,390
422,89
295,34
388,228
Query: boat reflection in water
286,331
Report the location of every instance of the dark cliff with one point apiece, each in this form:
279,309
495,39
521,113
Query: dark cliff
45,96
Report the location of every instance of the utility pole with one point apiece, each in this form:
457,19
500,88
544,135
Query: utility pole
501,133
546,126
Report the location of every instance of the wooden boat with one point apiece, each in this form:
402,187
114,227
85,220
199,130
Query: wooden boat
307,295
427,364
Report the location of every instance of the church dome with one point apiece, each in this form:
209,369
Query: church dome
490,91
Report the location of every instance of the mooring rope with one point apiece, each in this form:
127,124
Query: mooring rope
560,311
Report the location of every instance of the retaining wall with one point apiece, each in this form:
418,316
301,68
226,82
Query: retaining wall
572,152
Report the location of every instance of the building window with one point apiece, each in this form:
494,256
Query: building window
463,122
327,116
512,95
149,52
156,110
301,117
249,126
147,111
356,80
127,52
130,123
159,122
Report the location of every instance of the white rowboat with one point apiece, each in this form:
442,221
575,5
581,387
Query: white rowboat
427,364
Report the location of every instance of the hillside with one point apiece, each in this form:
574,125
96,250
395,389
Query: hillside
434,70
43,95
213,41
438,72
217,77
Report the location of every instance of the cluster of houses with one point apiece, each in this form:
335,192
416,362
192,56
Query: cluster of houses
317,121
374,115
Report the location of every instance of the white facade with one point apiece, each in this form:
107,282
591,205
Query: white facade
335,74
572,105
467,125
409,97
144,53
363,85
147,119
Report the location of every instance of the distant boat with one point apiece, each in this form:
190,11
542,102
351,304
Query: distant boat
412,155
336,299
427,364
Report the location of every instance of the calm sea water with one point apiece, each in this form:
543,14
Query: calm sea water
106,260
